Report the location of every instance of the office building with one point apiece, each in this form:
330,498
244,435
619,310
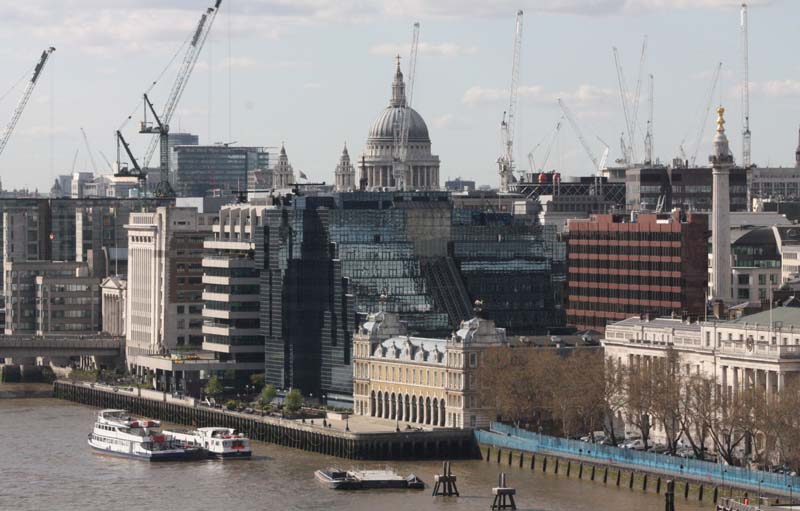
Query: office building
200,169
620,266
20,290
68,304
459,185
231,297
164,290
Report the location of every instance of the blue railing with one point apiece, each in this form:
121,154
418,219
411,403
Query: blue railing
509,437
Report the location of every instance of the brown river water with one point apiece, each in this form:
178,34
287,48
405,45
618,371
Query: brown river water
45,464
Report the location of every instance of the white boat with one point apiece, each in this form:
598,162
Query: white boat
117,433
217,442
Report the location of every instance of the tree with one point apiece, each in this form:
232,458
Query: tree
257,380
268,393
510,379
640,389
699,405
614,399
667,399
293,400
213,388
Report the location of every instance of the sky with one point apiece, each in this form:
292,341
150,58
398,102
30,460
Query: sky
314,74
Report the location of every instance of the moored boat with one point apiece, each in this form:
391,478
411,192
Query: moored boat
337,479
117,433
222,443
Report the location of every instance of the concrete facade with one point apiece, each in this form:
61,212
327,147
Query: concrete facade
231,294
113,292
164,303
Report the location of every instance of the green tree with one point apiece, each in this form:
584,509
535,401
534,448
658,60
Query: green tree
268,393
213,387
257,380
293,400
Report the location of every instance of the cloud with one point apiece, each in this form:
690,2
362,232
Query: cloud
776,88
427,49
585,95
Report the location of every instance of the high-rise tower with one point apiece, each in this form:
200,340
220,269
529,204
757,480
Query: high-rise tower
721,163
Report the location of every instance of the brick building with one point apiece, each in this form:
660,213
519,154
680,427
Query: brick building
621,266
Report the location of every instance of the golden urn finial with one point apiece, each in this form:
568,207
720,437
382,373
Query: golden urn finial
721,119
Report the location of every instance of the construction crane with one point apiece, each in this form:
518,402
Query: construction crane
648,138
703,117
124,171
745,89
630,107
105,158
506,161
399,166
89,150
549,148
26,95
182,78
574,124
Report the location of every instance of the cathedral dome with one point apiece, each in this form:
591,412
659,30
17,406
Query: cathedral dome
384,126
383,129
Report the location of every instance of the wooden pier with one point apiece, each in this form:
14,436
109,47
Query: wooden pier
404,445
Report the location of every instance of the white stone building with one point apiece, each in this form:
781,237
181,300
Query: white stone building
761,350
378,166
345,174
164,291
421,381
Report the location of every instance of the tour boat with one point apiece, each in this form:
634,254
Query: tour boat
217,442
337,479
117,433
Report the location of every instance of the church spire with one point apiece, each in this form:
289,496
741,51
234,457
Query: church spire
398,88
797,152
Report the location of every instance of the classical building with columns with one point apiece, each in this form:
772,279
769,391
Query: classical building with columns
757,351
378,168
419,381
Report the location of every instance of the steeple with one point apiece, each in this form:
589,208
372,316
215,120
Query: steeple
345,174
797,152
398,88
283,173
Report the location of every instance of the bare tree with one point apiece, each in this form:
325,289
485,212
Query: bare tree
614,399
699,405
667,400
640,389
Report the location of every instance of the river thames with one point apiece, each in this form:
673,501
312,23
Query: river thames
46,464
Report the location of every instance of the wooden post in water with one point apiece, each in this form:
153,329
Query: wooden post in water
445,482
503,495
669,496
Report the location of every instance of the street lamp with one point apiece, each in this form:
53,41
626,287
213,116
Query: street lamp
791,498
347,423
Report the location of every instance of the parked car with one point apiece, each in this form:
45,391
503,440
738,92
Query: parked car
658,449
636,444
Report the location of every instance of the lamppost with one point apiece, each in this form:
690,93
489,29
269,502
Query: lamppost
347,423
723,481
791,497
760,482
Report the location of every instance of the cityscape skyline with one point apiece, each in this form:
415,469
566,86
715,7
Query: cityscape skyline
289,84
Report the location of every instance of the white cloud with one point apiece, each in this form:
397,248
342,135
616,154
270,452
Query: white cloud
427,49
584,95
776,88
